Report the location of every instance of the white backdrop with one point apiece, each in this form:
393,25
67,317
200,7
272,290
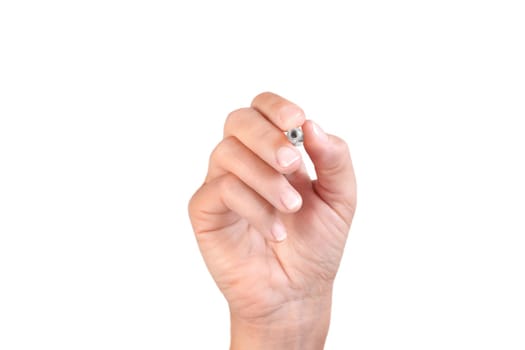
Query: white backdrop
109,109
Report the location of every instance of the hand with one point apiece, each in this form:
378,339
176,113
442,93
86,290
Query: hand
270,236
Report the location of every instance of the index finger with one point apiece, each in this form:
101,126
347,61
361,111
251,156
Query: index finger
281,112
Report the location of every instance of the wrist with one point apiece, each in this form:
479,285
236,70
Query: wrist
301,324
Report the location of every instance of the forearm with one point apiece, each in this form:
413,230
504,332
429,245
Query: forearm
299,325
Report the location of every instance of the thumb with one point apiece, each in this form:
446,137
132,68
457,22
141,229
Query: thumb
335,182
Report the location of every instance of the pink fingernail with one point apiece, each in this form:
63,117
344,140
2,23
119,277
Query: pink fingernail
319,133
291,199
278,231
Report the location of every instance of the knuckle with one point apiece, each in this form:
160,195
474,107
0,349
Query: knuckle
194,205
263,96
235,118
214,155
228,183
224,150
191,205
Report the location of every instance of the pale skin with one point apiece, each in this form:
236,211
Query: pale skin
271,237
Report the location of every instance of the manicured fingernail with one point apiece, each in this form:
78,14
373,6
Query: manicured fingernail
291,199
278,231
291,114
319,133
286,156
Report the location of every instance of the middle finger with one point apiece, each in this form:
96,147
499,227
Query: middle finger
231,156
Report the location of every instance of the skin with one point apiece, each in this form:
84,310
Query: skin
271,237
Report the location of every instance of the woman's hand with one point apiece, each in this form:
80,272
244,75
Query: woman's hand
270,236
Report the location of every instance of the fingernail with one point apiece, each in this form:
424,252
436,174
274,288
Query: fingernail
319,133
278,231
286,156
291,199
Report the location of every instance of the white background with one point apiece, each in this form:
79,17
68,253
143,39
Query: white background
109,109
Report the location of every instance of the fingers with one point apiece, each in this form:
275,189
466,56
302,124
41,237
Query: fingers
246,172
227,195
281,112
265,140
335,182
231,156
